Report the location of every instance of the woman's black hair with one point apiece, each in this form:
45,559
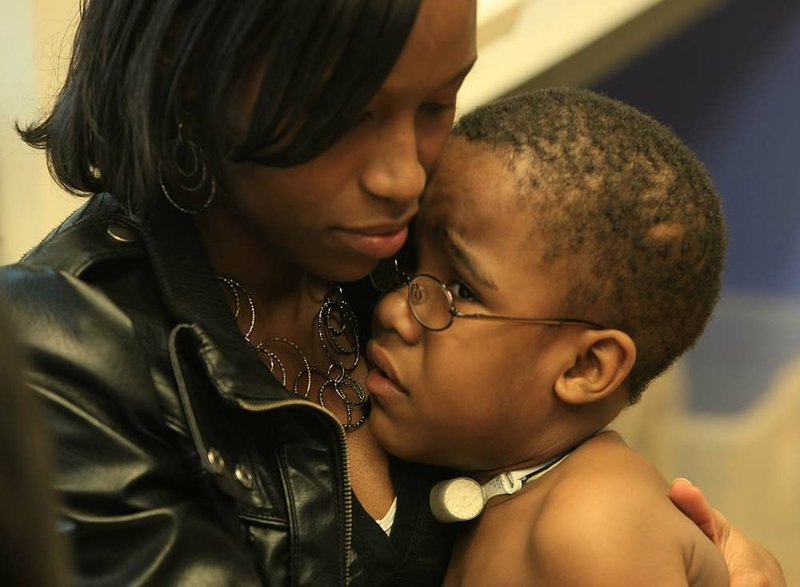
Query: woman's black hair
140,68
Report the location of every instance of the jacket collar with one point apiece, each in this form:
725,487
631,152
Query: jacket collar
193,296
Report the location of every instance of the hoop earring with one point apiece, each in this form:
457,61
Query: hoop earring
188,161
384,276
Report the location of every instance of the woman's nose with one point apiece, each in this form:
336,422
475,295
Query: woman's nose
395,171
394,314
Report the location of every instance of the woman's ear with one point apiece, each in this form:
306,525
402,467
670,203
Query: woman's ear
602,362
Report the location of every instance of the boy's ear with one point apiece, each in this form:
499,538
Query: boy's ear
603,361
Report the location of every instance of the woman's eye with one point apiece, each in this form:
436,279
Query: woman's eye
436,108
363,118
463,292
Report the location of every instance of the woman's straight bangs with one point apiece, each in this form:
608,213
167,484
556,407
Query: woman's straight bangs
330,66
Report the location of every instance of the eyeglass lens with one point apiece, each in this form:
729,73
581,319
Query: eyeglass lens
429,302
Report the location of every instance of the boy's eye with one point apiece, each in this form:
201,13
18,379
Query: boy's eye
462,292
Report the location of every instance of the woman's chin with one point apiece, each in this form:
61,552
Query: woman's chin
347,270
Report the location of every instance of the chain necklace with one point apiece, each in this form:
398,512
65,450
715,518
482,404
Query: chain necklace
337,332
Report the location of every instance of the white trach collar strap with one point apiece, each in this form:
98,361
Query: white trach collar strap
463,498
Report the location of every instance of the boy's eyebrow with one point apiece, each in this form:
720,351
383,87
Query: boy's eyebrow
468,261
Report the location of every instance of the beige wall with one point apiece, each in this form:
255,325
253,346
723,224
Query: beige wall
40,33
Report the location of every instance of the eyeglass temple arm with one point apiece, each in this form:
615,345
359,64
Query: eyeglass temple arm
542,321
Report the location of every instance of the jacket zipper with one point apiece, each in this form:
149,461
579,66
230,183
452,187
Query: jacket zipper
348,499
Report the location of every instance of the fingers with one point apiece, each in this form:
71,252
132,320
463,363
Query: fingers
691,501
749,563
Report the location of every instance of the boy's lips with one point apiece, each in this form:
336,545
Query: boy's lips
382,378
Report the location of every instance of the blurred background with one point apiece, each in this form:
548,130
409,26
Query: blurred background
726,76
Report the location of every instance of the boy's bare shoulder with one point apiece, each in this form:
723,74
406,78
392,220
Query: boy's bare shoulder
608,462
604,483
607,519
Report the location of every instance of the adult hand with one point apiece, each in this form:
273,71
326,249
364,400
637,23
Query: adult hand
749,563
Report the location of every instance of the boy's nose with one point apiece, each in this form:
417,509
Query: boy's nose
394,314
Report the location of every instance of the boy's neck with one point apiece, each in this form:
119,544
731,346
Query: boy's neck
530,470
567,431
553,453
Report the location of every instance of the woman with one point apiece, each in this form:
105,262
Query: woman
247,159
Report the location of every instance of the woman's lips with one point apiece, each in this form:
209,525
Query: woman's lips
376,243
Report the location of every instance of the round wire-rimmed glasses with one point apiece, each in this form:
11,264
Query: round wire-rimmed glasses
433,306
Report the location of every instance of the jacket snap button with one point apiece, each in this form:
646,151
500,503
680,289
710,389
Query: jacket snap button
122,233
216,461
244,476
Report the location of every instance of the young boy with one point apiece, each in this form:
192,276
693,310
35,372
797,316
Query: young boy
569,250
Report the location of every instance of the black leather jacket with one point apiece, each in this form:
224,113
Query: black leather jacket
180,459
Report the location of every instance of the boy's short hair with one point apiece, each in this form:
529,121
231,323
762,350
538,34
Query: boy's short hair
627,204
